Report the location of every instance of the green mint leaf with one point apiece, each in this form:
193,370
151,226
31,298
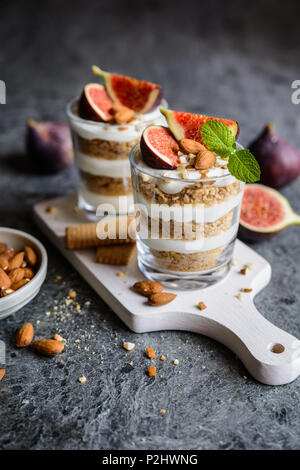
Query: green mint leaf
243,166
218,138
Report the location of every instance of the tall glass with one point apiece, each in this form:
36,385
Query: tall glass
102,157
186,229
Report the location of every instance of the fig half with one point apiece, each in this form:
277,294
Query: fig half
159,148
95,104
264,213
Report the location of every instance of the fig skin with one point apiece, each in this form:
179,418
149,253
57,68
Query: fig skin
278,159
49,146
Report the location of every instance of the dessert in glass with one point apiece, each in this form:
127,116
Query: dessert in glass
106,121
187,202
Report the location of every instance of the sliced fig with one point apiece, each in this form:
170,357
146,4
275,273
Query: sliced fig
95,104
264,213
49,146
279,160
188,125
159,148
138,95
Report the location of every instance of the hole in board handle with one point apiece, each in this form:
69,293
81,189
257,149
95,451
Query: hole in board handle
277,348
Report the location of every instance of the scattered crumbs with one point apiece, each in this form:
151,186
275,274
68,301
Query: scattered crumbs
101,356
58,278
201,306
243,271
133,444
203,367
234,262
76,209
50,209
87,303
48,314
150,353
120,274
245,377
296,393
246,289
162,337
176,362
162,412
82,379
55,308
60,338
249,265
163,358
38,322
161,376
128,346
239,296
200,428
152,371
72,294
143,439
131,363
78,309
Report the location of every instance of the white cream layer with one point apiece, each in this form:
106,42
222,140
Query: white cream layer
192,246
111,204
189,212
103,167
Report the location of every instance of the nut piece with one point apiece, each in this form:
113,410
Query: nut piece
19,284
246,289
152,371
123,116
163,411
30,256
2,374
201,306
191,146
5,282
204,160
48,347
161,298
16,261
148,287
28,273
24,335
128,346
4,263
82,379
150,353
16,275
3,247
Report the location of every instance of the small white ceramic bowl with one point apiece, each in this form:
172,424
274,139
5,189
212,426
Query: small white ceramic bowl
14,302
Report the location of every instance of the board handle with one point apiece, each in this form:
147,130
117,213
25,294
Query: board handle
271,355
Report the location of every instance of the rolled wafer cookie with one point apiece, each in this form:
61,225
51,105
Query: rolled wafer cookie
98,233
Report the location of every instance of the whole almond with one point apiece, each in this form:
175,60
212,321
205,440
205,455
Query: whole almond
16,275
190,146
123,116
30,256
5,292
204,160
3,247
4,263
2,374
19,284
5,282
161,298
16,261
48,347
24,335
28,273
148,287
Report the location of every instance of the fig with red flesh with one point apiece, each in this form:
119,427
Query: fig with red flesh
279,160
138,95
188,125
49,146
95,104
264,213
159,148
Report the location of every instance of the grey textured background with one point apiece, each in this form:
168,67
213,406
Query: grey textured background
230,58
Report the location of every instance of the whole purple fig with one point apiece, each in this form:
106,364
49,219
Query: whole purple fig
278,159
49,146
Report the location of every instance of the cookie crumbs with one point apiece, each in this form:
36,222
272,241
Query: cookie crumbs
244,271
246,289
128,346
163,358
48,314
249,265
200,428
82,379
59,338
72,294
120,274
245,377
201,306
239,296
203,367
150,353
131,363
152,371
176,362
87,303
162,412
50,209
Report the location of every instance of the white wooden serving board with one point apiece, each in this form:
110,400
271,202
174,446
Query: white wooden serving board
233,322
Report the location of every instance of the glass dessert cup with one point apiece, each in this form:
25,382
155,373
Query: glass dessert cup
102,157
186,228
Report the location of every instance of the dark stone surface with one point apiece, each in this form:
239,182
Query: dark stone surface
230,58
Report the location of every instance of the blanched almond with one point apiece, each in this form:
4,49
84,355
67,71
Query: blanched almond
204,160
5,282
190,146
16,261
161,298
30,256
48,347
24,335
148,287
